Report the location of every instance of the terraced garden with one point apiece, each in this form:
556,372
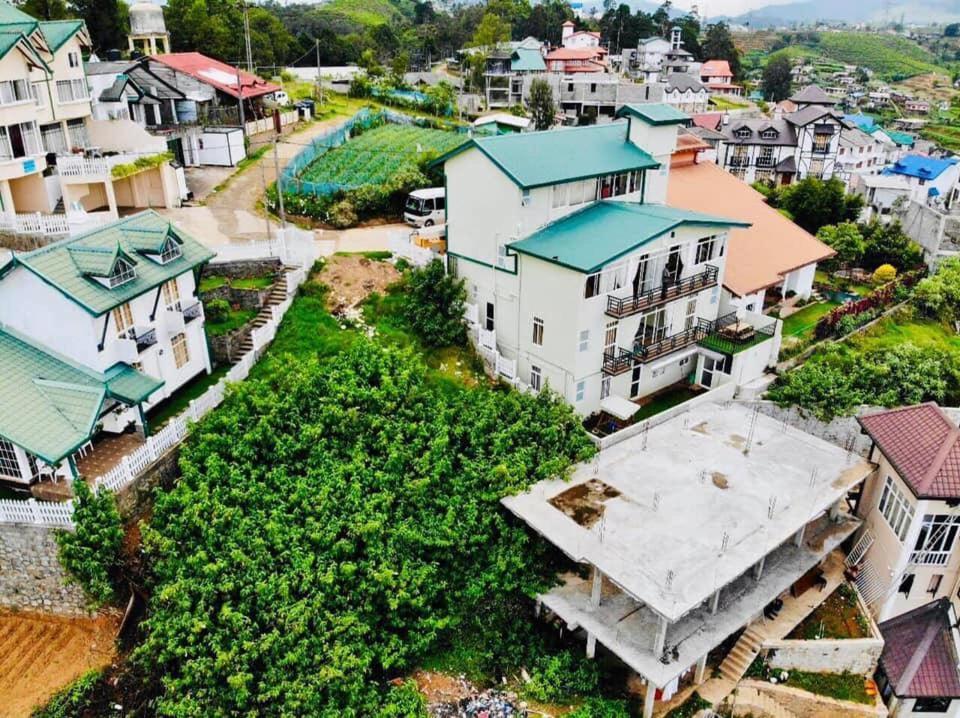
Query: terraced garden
378,154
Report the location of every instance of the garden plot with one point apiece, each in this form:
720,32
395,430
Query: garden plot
378,154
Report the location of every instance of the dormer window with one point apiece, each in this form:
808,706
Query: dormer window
742,133
769,134
122,273
171,251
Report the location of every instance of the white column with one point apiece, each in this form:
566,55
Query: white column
661,637
596,587
715,602
701,669
649,699
591,645
798,539
758,568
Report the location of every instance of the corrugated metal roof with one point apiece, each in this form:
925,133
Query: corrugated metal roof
604,231
526,60
57,32
656,113
920,166
217,74
919,654
71,264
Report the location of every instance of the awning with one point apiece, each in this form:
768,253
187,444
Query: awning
933,192
619,407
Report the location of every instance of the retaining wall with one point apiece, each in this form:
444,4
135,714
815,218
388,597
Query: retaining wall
243,268
31,577
810,705
849,655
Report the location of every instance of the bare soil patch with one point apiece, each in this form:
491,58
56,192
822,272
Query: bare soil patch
40,654
584,503
352,278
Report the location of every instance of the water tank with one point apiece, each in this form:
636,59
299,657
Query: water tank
147,19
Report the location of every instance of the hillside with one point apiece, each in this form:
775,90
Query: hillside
355,15
861,11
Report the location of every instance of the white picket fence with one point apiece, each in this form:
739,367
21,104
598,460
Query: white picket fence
132,465
34,223
255,127
401,246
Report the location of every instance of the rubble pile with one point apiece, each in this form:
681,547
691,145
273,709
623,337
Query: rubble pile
487,704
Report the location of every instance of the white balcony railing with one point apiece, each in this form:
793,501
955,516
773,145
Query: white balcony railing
34,223
930,558
92,167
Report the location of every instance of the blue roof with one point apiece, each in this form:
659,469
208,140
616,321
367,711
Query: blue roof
537,159
604,231
920,166
864,122
527,60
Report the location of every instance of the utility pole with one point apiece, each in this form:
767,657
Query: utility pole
246,37
276,167
319,79
243,125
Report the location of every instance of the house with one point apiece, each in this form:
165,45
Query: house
580,275
688,533
881,194
797,145
593,94
859,154
56,159
921,107
772,256
907,552
502,123
650,54
507,67
918,671
717,76
686,93
930,179
571,37
866,123
896,144
570,60
95,330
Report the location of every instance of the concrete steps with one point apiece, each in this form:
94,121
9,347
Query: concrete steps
277,295
741,655
751,702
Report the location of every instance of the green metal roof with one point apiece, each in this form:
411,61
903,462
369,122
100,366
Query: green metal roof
901,138
527,60
48,405
655,113
9,40
602,232
536,159
57,32
72,265
11,15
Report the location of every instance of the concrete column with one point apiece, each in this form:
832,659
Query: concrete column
715,602
153,46
834,511
591,645
6,197
130,45
700,671
649,699
798,539
661,638
596,587
758,568
111,198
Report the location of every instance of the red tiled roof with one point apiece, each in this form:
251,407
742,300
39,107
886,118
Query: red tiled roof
922,444
716,68
217,74
576,53
708,120
919,655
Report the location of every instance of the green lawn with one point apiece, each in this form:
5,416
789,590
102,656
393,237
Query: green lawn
169,408
377,255
842,686
253,282
804,320
724,103
664,401
899,328
234,320
210,283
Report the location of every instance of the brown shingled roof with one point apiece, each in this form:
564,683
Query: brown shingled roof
921,443
919,654
760,255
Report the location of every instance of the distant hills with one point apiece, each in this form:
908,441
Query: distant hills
858,11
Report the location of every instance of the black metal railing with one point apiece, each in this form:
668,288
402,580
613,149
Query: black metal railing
651,350
146,340
620,307
617,361
192,312
714,338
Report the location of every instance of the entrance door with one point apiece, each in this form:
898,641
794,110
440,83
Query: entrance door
489,319
16,140
709,369
176,147
674,266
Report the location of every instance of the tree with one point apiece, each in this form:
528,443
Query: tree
718,45
369,62
952,30
433,303
889,244
542,108
45,9
690,36
845,239
939,295
777,82
492,31
814,203
106,21
399,67
91,552
216,27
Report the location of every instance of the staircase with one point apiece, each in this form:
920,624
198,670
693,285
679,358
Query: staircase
59,209
751,702
741,655
277,295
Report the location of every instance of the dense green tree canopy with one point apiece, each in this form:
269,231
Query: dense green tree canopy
332,523
718,45
814,203
106,20
777,80
845,239
542,108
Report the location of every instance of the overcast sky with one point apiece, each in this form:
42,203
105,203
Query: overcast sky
726,7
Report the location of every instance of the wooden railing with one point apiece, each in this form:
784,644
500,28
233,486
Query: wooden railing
620,307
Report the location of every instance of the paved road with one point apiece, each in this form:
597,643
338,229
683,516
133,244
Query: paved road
231,216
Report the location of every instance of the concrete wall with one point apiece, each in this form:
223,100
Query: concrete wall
851,655
31,577
802,704
937,232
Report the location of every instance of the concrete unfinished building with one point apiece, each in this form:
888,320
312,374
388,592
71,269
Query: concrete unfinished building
684,535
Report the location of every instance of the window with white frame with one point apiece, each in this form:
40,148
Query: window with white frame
896,509
14,91
938,533
54,139
73,59
765,157
604,388
39,94
583,342
123,319
19,140
122,273
581,390
536,377
181,354
706,246
610,336
72,91
690,316
171,250
77,131
559,195
171,294
538,331
9,464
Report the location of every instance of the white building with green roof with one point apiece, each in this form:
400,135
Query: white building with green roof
580,277
102,326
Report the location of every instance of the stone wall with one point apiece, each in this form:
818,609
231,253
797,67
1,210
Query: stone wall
243,298
809,705
850,655
243,268
31,577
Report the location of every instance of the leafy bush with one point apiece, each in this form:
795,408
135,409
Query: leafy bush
814,203
601,708
871,304
845,239
690,707
939,294
404,701
73,700
557,677
336,522
342,214
884,273
433,305
216,310
91,553
889,244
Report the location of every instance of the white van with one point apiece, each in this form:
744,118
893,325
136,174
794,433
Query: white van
425,207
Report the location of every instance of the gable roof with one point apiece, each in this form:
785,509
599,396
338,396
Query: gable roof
527,60
70,264
900,138
708,120
537,159
812,95
919,653
855,137
655,113
682,81
716,68
217,74
786,135
864,122
922,445
920,166
49,405
760,255
604,231
802,118
57,32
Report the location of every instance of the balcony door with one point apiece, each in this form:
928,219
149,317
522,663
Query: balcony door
653,327
674,266
643,276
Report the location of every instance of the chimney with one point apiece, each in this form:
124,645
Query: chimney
675,41
726,119
566,32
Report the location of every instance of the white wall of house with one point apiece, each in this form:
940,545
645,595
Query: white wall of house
800,281
906,709
687,100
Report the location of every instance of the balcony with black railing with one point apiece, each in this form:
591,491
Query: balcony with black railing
617,360
146,339
728,335
194,311
621,307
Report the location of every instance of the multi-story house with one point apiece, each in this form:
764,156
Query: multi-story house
703,537
797,145
51,149
594,94
571,37
907,553
578,272
570,60
649,57
97,328
717,76
930,179
859,154
508,67
686,93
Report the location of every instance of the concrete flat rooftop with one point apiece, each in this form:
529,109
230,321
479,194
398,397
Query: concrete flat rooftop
674,515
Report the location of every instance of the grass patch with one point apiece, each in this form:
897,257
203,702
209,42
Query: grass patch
903,327
725,103
842,686
253,283
159,415
664,401
234,320
690,707
377,255
838,617
802,322
208,284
